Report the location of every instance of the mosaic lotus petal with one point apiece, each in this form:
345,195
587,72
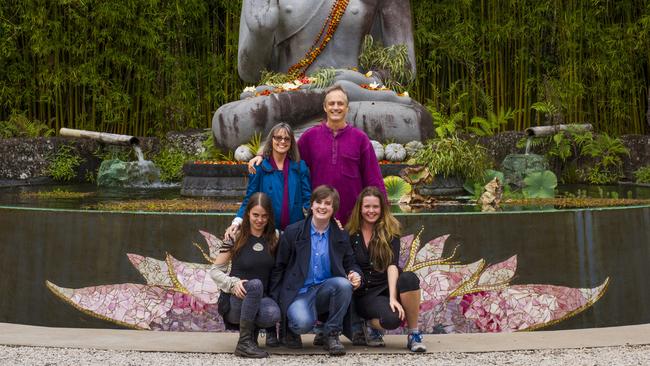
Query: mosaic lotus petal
194,279
456,298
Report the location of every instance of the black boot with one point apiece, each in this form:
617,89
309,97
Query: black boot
333,345
246,346
272,337
291,339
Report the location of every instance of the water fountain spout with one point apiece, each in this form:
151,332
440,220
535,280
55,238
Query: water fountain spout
550,130
108,138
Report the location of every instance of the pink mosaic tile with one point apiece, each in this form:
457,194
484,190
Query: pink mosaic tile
456,298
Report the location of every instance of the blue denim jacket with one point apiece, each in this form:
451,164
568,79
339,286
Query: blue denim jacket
271,182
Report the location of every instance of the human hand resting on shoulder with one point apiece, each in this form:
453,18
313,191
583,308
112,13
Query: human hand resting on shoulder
232,232
253,163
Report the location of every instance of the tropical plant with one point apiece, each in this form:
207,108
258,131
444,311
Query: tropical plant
577,56
210,151
581,156
453,156
446,125
323,78
273,78
64,163
548,109
391,62
493,123
227,157
18,125
642,175
540,185
170,162
255,143
396,188
607,153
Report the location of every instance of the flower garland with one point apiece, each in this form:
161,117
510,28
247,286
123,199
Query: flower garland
331,23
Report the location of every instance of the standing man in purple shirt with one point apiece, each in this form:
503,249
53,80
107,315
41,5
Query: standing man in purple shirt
339,154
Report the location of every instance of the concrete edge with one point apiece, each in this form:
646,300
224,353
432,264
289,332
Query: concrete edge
149,341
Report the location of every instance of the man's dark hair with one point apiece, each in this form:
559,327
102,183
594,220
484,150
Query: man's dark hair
326,191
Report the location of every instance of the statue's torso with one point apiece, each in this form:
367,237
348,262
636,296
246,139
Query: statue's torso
301,21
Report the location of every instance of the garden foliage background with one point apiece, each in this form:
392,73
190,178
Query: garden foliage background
145,67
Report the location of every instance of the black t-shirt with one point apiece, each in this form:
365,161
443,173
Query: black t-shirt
253,261
371,276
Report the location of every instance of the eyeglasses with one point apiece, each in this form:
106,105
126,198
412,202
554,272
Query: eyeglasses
282,138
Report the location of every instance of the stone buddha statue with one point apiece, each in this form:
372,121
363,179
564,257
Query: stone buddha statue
300,37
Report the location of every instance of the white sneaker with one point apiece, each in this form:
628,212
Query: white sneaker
415,343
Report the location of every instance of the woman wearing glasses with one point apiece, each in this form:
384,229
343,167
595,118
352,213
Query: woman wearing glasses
285,179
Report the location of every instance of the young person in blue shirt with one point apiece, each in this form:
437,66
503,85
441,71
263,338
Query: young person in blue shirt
315,273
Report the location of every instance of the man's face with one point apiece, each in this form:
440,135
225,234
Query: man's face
336,106
323,209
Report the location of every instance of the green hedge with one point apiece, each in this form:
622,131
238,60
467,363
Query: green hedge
147,67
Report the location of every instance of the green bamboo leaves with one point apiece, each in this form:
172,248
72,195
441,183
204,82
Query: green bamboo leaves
146,67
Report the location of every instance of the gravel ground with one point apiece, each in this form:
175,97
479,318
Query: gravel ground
627,355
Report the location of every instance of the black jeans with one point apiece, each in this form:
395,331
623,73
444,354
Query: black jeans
254,307
376,305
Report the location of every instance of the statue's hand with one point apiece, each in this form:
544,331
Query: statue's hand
261,15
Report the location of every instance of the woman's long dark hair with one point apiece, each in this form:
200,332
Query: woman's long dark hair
262,200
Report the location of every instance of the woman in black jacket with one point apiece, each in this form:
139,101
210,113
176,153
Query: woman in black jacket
388,295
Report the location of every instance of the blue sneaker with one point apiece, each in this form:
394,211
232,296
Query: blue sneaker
415,343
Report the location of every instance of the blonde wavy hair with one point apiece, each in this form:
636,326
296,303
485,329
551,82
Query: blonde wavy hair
384,231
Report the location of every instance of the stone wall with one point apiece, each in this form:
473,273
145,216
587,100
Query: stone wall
26,161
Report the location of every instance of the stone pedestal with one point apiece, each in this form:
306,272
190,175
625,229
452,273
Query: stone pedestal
516,167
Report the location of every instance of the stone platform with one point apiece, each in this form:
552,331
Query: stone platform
134,340
230,181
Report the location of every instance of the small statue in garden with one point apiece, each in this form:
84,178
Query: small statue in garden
301,38
490,200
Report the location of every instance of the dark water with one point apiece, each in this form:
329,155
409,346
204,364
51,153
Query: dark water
24,196
575,248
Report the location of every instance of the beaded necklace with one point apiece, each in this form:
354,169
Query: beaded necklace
324,36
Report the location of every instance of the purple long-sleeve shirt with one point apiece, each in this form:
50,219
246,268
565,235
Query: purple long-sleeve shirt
346,161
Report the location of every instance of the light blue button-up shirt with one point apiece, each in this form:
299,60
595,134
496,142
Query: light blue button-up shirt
319,262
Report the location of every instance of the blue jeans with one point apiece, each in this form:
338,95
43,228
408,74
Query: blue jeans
332,296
